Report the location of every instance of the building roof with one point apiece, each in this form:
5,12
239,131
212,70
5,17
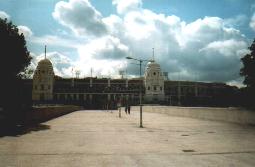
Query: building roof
45,62
44,68
152,64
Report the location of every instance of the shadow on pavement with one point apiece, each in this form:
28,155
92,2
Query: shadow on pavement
18,130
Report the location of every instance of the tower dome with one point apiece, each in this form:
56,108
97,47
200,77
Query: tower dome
44,66
152,64
45,62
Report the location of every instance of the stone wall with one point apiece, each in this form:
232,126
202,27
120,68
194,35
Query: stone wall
234,115
44,113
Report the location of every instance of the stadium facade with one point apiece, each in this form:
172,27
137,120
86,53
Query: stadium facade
103,93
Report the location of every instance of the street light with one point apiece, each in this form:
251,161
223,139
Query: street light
140,89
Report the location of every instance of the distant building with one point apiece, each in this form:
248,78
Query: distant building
93,92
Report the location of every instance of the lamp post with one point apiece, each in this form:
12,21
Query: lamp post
140,88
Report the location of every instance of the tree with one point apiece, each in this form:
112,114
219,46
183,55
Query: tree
27,73
14,60
248,72
14,54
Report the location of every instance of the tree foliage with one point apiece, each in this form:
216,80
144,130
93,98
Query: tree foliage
14,60
14,54
248,72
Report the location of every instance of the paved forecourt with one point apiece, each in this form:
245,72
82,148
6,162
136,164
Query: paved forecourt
94,138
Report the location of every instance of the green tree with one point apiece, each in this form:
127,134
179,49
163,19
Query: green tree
248,72
14,60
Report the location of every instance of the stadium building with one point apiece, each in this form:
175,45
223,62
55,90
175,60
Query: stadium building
103,93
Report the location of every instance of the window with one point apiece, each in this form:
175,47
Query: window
161,88
154,73
48,86
81,96
149,88
35,87
69,97
155,87
42,87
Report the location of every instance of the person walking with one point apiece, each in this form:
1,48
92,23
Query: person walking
129,107
126,108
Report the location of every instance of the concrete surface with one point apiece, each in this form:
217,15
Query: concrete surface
94,138
230,114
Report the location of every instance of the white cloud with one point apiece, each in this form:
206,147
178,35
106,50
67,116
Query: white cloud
97,55
62,65
4,15
80,16
107,47
238,20
114,25
124,6
237,82
208,48
26,31
252,22
105,55
55,41
226,48
22,29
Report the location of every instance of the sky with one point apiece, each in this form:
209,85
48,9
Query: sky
194,40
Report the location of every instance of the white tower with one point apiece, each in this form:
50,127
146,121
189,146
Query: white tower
154,82
43,81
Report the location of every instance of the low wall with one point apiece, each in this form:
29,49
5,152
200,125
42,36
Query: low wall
44,113
234,115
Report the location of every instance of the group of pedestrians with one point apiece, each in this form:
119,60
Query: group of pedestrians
119,104
127,109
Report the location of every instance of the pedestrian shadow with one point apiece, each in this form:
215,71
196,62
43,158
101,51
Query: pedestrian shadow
18,130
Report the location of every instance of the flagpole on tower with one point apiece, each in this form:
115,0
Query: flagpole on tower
153,58
45,52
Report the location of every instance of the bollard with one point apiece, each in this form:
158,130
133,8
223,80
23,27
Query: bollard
119,112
